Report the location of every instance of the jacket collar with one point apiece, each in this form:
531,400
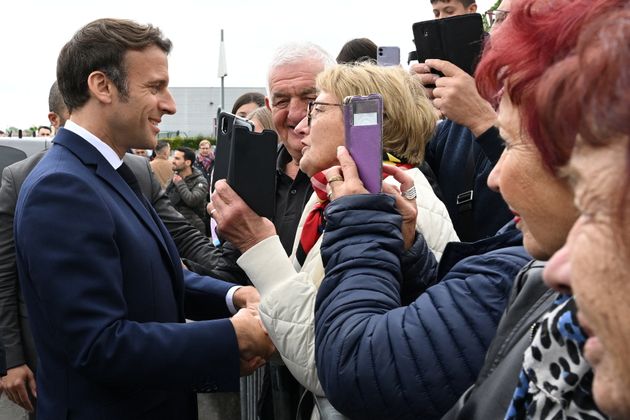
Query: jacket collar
91,157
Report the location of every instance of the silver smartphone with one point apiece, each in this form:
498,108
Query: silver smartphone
388,56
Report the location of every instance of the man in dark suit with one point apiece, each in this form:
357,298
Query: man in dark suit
100,274
21,358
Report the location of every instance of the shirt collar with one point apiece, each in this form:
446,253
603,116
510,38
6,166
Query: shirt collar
103,148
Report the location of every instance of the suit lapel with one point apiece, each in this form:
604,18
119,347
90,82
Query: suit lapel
147,215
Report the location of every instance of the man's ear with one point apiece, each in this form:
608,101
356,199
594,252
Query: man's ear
100,87
54,119
472,8
268,103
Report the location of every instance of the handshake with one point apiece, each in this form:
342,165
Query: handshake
254,344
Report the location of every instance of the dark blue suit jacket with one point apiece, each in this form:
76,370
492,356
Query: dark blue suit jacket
105,293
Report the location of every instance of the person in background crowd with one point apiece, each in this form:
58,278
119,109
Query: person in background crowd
247,102
141,152
19,383
447,8
356,50
262,120
188,190
161,165
114,283
44,131
205,160
584,103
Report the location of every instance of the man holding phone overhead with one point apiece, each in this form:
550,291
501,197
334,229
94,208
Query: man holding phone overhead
466,145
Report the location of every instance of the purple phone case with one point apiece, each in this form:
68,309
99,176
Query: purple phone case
364,137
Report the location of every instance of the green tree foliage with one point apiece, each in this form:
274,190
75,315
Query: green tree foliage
192,142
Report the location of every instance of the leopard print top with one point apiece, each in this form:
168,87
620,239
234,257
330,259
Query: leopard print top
556,380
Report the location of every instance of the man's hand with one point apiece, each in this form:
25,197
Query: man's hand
456,96
236,221
422,72
17,383
254,344
246,297
177,179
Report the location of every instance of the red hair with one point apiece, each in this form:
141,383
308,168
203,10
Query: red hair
537,34
588,93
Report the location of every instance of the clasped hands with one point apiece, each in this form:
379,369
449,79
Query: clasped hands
254,344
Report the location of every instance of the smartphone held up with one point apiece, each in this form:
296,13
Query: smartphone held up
388,56
363,119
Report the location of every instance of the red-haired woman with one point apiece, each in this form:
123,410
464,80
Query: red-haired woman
554,380
585,100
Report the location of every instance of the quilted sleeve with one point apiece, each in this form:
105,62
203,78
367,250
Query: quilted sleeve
377,359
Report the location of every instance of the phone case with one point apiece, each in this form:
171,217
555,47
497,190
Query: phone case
457,39
225,129
363,119
388,56
252,169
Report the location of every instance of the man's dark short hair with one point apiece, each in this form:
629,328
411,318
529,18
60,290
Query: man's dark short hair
466,3
161,144
101,46
189,154
55,100
44,126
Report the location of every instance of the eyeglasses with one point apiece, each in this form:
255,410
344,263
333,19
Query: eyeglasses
311,107
496,16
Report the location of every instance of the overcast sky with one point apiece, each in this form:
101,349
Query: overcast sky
33,32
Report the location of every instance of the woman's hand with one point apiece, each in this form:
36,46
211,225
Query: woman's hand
405,202
344,180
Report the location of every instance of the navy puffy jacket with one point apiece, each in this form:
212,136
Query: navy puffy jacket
379,360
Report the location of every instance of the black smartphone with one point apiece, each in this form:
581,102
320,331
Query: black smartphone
224,133
252,169
457,39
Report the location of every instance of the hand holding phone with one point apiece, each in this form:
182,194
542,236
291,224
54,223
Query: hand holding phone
363,120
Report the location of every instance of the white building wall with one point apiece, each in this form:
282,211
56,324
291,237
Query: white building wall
197,108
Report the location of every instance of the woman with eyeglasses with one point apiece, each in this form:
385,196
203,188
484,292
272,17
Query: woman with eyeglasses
288,286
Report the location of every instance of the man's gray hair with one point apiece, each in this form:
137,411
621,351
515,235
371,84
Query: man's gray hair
294,52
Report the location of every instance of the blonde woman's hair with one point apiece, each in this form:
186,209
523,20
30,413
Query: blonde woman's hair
262,114
408,116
